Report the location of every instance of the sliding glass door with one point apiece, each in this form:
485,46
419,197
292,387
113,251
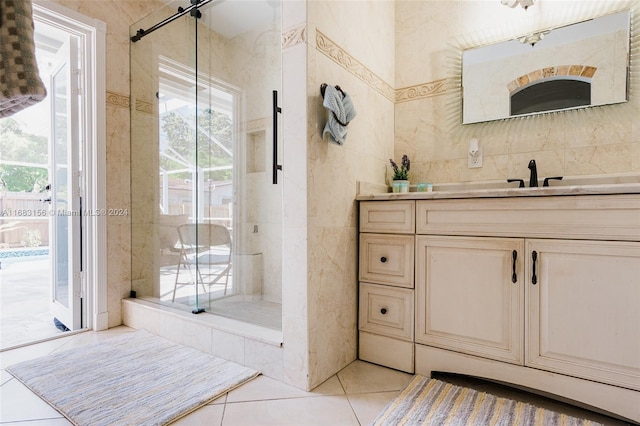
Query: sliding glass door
202,155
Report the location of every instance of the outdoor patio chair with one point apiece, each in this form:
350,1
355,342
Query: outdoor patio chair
169,242
205,251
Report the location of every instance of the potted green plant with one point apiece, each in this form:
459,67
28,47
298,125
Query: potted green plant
401,174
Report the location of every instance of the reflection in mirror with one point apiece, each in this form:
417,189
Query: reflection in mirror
575,66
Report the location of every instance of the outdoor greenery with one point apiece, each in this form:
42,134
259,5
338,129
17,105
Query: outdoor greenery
18,145
179,132
31,238
213,129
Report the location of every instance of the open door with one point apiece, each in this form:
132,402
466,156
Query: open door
66,215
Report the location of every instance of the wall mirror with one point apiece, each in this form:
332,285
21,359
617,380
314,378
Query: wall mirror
575,66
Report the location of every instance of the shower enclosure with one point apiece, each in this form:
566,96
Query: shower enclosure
206,207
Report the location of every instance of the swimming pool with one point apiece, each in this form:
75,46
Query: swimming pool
13,255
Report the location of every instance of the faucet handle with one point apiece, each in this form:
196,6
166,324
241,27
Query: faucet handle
546,180
517,180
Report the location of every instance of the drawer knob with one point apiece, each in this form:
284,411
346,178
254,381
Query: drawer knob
383,259
383,311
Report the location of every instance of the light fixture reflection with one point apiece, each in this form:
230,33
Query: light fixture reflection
533,38
513,3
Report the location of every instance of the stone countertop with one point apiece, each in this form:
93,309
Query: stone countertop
580,185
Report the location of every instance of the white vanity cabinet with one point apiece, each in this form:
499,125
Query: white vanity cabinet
540,292
386,275
575,309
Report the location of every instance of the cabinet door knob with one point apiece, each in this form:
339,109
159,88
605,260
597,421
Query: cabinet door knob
514,275
383,259
534,257
383,311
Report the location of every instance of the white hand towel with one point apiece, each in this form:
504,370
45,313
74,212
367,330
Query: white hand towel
342,112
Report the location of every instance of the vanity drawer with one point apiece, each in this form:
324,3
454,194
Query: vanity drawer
387,259
586,217
386,310
388,216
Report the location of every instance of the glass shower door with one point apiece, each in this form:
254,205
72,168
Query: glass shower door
212,149
195,166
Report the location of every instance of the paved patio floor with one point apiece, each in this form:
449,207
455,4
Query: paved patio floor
24,302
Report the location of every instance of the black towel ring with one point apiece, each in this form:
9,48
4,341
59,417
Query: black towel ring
323,88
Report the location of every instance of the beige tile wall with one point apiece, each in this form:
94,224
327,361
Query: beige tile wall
295,321
429,38
363,66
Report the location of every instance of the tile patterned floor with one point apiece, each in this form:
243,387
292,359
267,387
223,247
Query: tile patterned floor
354,396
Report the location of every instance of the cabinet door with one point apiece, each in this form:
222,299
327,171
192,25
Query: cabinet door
466,299
584,309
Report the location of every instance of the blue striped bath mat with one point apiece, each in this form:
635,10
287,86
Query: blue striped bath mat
433,402
134,379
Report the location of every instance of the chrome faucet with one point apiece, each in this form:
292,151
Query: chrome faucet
533,178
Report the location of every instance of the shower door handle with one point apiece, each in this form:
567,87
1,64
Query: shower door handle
276,110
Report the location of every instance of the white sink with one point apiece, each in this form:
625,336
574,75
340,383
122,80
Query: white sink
627,178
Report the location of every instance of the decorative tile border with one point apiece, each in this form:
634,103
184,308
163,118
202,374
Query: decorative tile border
298,35
123,101
294,36
117,100
330,49
421,91
144,107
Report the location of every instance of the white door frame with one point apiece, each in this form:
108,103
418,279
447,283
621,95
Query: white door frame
91,33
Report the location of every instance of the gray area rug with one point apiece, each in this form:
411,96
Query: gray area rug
433,402
134,379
